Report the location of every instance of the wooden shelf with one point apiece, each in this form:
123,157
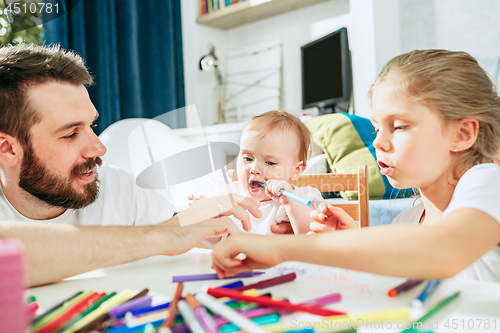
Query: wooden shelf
243,12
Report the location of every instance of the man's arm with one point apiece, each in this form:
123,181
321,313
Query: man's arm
54,252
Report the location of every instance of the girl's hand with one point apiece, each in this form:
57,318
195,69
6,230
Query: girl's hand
274,187
192,198
329,218
259,250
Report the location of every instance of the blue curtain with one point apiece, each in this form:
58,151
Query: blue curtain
134,50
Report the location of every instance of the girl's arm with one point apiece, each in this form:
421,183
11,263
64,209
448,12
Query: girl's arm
414,251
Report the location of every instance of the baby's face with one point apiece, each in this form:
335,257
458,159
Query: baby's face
266,156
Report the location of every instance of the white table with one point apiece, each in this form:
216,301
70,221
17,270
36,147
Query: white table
361,292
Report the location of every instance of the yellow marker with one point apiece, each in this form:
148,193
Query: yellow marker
327,324
251,292
102,309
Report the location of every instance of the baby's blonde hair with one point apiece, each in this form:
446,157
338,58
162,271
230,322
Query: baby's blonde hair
284,122
453,84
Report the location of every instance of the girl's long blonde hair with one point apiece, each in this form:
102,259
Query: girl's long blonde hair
453,84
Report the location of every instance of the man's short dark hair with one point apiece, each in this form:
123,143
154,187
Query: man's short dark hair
22,66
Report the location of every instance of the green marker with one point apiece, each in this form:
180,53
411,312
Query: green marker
48,318
31,299
89,310
434,310
263,320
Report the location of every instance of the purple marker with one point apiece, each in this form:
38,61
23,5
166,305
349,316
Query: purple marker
269,283
212,276
403,287
134,304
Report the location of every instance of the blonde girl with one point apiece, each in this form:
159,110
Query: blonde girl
437,117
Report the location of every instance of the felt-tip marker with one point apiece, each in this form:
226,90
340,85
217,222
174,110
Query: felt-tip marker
225,311
289,195
403,287
429,289
205,319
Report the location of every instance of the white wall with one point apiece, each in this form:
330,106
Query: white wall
294,29
470,26
378,31
199,85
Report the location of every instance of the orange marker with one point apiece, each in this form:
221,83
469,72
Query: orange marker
172,309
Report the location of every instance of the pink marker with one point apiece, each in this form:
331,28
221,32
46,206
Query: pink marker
334,298
206,321
12,285
30,310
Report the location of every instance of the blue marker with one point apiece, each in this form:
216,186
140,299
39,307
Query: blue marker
232,285
292,196
429,289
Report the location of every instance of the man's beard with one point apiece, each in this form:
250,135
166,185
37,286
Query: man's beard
54,190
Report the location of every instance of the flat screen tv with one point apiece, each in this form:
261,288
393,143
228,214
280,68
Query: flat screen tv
326,72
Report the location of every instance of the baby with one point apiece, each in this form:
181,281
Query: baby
273,150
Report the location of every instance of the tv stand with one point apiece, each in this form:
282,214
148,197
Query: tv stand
335,108
325,110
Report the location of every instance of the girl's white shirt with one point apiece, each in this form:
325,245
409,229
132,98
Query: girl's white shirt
479,188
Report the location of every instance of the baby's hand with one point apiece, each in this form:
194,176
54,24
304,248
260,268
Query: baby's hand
192,199
329,218
273,190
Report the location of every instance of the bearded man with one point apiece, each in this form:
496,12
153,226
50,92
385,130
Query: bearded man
72,213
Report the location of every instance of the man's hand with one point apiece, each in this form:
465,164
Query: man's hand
207,218
224,205
184,238
329,218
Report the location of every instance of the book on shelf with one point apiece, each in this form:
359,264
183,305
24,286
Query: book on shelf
203,7
210,6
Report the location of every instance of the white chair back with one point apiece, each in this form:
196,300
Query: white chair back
136,143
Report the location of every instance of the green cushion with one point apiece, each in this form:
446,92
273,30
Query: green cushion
347,141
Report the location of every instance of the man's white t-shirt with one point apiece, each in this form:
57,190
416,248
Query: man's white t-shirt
479,188
120,202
